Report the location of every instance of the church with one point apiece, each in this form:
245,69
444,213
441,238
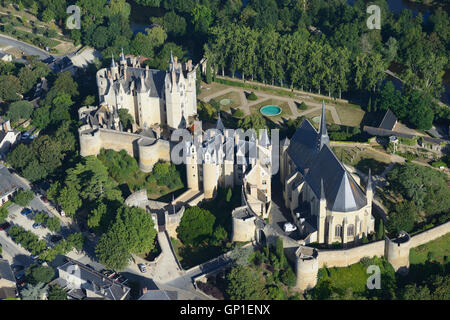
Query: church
154,98
326,202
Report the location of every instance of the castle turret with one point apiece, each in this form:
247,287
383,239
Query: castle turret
307,267
397,252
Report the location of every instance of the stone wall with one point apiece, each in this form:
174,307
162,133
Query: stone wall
430,235
346,257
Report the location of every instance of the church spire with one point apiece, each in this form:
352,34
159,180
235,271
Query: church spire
113,64
369,182
219,125
322,191
323,134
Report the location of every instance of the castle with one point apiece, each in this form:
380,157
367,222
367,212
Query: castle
226,159
156,100
152,97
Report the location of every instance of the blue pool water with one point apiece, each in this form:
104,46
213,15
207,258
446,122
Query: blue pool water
270,110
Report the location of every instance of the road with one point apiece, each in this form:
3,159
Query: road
25,47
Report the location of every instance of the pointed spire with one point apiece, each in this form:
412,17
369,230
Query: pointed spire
171,64
113,64
264,140
322,190
323,134
219,125
369,181
122,56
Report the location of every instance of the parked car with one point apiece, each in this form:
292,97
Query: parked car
289,227
26,211
4,226
37,225
142,267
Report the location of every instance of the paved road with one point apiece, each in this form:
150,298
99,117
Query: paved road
25,47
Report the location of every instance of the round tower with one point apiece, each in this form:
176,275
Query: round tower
243,223
307,267
148,154
209,179
397,252
90,141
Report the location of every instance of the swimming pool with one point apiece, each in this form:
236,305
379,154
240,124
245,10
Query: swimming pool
270,110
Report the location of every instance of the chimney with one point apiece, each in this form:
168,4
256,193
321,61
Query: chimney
175,62
144,290
189,65
146,71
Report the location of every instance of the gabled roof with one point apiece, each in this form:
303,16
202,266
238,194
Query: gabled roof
303,146
389,120
5,271
316,162
7,181
342,192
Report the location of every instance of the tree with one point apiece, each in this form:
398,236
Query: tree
3,214
53,224
196,226
229,194
39,274
41,117
402,219
56,293
133,232
23,197
380,231
244,284
34,292
126,119
254,121
20,110
202,18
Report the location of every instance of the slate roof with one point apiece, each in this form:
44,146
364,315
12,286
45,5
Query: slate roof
388,121
318,163
154,81
94,281
7,181
6,271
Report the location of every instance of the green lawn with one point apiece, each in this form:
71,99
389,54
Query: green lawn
439,248
350,115
285,113
234,97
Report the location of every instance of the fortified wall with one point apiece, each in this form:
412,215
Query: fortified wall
247,226
147,151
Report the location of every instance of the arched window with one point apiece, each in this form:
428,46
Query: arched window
338,231
350,230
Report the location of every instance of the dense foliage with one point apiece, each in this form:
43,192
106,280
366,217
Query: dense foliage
133,232
196,226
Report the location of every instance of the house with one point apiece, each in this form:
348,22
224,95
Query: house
158,294
84,283
7,281
389,121
8,185
8,139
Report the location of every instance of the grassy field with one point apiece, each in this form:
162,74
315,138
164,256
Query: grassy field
362,159
213,88
285,113
350,115
318,113
439,248
234,97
